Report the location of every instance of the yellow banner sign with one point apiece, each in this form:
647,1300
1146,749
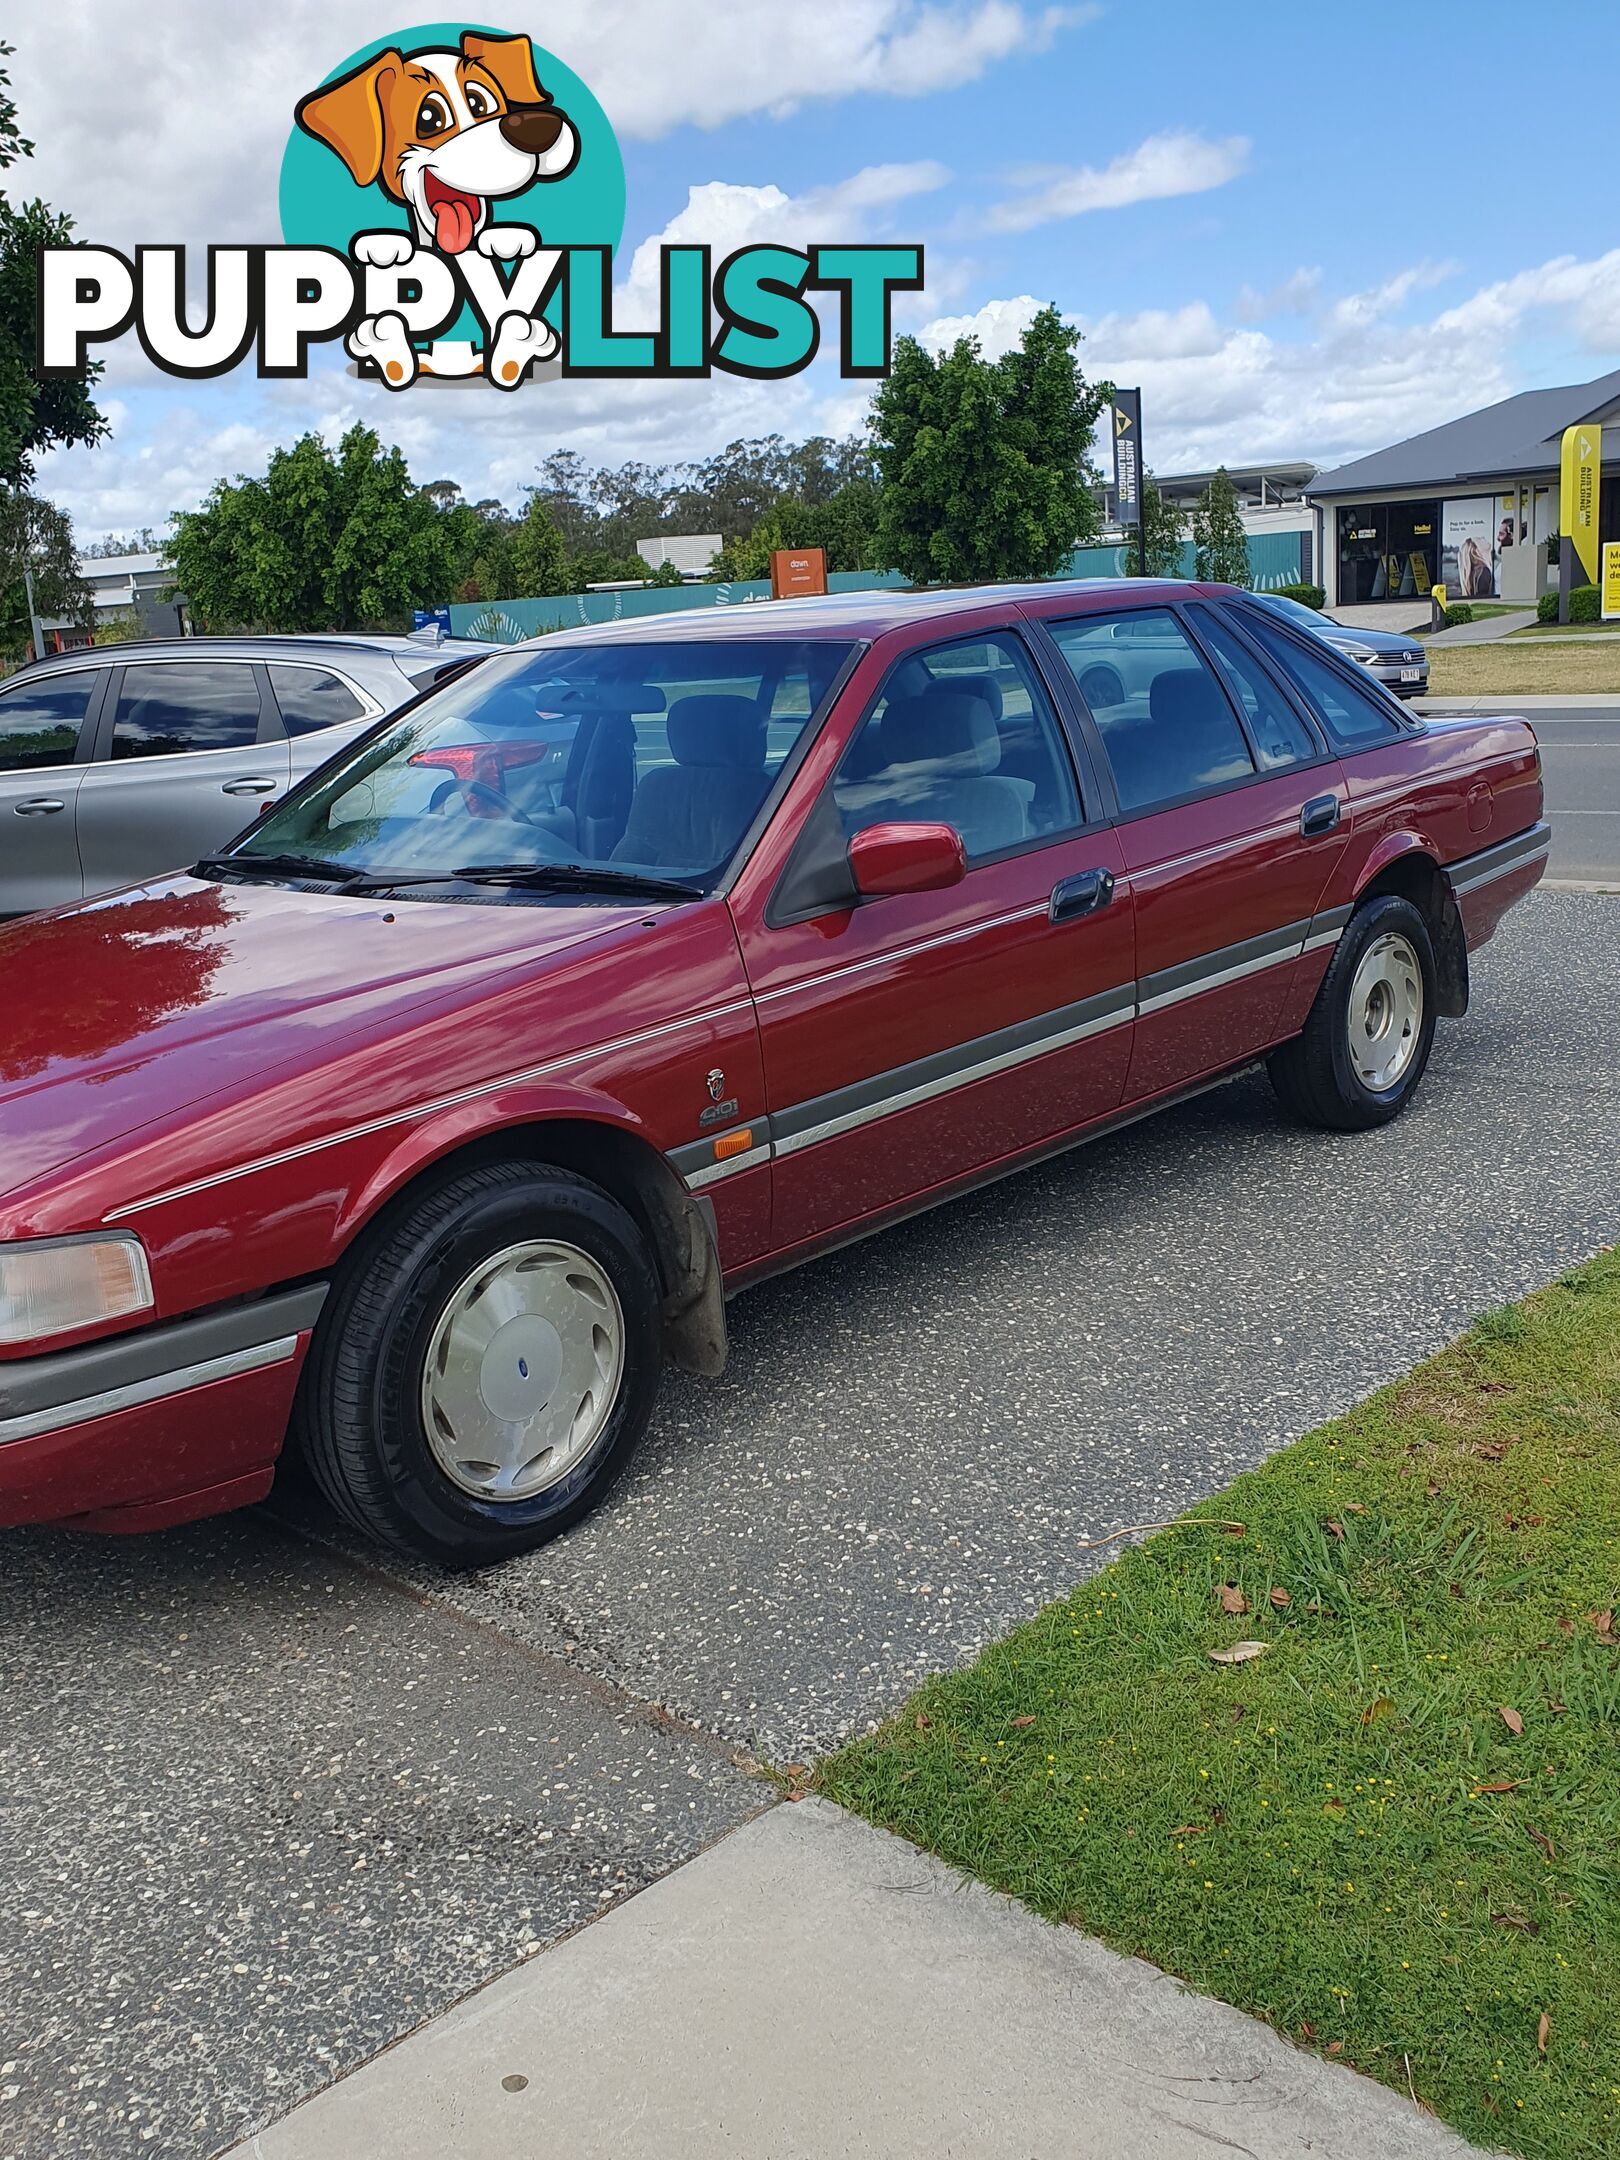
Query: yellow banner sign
1611,580
1580,469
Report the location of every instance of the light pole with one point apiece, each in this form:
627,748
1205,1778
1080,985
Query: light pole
37,634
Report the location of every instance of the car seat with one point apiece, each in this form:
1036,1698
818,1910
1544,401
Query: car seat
690,814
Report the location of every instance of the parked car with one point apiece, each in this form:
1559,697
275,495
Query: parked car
1399,662
120,760
431,1117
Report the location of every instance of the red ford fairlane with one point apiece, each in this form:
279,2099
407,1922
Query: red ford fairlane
417,1129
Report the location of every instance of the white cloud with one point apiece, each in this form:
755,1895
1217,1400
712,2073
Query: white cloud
997,326
174,131
1165,165
1296,295
730,216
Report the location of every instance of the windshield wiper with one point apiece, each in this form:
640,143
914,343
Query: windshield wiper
307,866
578,877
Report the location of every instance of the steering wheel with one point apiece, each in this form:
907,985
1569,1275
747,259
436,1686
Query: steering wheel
504,805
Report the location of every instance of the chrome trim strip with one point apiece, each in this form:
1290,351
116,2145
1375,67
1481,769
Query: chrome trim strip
138,1392
422,1110
714,1172
1215,981
1494,862
947,1083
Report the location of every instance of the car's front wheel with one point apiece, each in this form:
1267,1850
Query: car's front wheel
485,1366
1363,1049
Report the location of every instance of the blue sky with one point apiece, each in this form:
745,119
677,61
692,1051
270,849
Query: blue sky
1306,232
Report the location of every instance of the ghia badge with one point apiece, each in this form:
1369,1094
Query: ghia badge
720,1108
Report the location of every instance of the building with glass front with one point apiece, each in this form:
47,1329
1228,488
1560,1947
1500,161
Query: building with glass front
1469,506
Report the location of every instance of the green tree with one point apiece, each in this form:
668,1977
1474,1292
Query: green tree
1164,529
986,464
324,540
539,561
1218,535
666,574
844,524
34,414
36,533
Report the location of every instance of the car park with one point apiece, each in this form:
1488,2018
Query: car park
1393,658
120,760
427,1121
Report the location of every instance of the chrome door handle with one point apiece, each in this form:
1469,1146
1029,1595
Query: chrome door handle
39,806
248,787
1081,895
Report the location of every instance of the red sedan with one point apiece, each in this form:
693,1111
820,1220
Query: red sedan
423,1124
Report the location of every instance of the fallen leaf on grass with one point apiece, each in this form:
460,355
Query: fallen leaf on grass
1559,1709
1232,1598
1507,1784
1333,1807
923,1721
1541,1841
1020,1722
1334,2047
1334,1529
1239,1654
1190,1829
1566,1627
1380,1706
1354,1507
1491,1450
1280,1598
1604,1623
1239,1712
795,1769
1512,1720
1543,2033
1515,1920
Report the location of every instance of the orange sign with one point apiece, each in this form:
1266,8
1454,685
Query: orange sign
796,571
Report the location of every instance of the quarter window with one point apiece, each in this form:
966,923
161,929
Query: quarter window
310,699
1280,737
1354,718
40,721
166,707
1164,719
963,735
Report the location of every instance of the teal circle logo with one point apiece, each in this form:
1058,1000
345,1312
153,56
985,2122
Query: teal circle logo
448,132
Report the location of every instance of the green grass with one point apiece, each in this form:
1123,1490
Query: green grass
1564,630
1312,1835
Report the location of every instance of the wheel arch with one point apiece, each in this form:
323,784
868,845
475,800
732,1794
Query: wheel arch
1405,865
596,1141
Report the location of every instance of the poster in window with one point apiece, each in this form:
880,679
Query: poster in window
1468,547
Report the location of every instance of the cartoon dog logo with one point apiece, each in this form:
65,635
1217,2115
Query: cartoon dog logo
446,133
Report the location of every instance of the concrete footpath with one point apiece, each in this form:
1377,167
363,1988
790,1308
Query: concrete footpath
811,1987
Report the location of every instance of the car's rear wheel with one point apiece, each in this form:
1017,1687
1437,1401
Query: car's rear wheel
1363,1050
486,1365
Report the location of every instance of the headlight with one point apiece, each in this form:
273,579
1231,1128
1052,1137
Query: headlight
60,1284
1363,653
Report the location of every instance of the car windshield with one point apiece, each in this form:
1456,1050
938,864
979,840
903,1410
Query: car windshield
1295,611
562,767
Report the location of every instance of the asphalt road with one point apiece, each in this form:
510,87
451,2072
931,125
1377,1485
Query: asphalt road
1580,759
265,1805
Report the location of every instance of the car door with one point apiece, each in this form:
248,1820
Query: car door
188,752
913,1040
47,726
1230,810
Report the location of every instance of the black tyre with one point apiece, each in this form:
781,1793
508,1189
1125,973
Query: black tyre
485,1365
1363,1050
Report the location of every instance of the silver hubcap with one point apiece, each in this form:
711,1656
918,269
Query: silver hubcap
523,1370
1386,1012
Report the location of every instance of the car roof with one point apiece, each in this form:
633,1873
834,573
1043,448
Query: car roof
870,614
268,645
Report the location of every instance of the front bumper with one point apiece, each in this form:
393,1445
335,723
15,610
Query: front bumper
1392,674
160,1425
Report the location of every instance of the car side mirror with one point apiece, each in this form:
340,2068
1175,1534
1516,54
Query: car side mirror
906,858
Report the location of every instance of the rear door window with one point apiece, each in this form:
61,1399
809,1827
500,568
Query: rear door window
168,707
40,720
1164,719
1354,718
1280,737
310,699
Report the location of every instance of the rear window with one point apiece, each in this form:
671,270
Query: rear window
311,698
1354,718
